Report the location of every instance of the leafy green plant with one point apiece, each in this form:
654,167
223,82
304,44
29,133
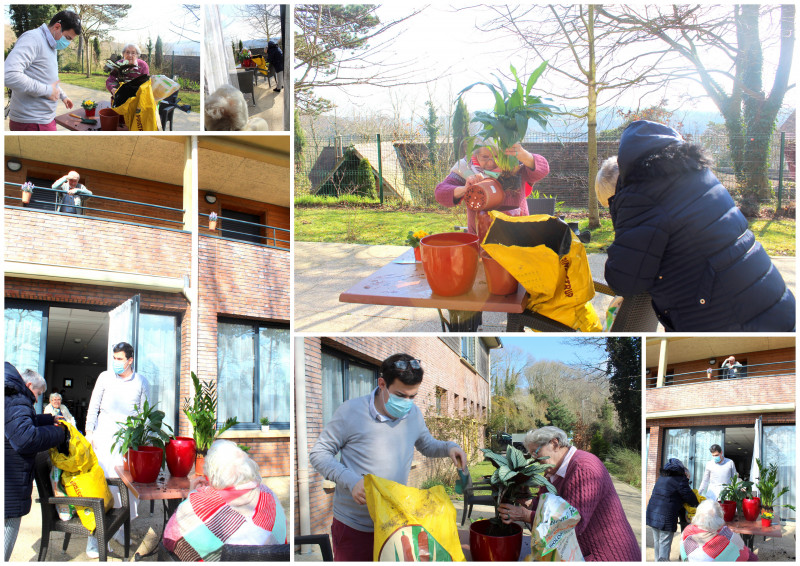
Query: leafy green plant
202,414
121,69
143,428
767,486
507,124
736,490
264,421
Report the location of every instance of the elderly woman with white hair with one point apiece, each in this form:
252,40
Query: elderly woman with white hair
708,538
230,506
226,111
131,55
57,408
604,532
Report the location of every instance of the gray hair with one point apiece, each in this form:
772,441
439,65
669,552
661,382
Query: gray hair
55,395
228,465
541,436
33,377
605,184
136,47
709,516
226,110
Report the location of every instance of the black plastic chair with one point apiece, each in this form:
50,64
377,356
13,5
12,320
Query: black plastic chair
324,542
108,523
245,80
246,553
471,499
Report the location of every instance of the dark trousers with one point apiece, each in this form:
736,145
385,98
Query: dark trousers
349,544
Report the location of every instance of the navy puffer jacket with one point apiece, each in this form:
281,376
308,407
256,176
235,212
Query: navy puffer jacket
680,237
666,502
275,56
26,434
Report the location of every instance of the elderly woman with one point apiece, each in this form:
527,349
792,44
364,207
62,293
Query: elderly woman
679,236
130,55
604,533
56,408
226,111
708,538
26,434
671,491
231,506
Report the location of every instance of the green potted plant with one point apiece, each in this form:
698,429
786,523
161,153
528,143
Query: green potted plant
767,487
413,239
89,107
264,424
733,494
141,437
27,191
201,411
766,519
491,539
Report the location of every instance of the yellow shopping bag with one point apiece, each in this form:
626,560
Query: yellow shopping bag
547,258
412,525
82,475
134,100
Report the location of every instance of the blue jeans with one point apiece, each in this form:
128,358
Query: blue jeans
662,544
11,532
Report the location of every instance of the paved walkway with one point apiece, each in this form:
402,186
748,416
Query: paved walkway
182,121
269,104
324,270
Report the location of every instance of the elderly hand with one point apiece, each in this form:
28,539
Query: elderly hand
358,493
512,513
524,156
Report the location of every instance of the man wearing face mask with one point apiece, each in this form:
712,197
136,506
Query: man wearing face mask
114,397
375,434
31,72
719,472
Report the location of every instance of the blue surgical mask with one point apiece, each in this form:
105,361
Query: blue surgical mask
118,367
398,407
718,459
62,43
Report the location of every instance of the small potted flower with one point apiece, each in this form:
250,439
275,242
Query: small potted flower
413,239
264,424
27,191
89,107
766,519
212,221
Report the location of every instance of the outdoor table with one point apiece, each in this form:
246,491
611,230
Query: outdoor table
177,489
751,529
402,283
75,124
463,536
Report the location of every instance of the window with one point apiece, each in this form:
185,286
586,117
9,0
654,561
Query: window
158,360
241,226
253,373
342,379
441,400
468,350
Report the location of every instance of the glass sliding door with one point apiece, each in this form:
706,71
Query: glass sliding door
703,440
778,447
26,338
159,361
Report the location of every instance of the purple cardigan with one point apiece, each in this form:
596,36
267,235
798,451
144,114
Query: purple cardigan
604,533
141,69
444,191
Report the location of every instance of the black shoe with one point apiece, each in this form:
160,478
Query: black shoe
276,89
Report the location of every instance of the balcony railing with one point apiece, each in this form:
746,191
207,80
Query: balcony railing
750,371
260,234
113,209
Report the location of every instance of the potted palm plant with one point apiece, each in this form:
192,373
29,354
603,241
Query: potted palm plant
505,126
491,539
201,411
27,191
142,438
767,487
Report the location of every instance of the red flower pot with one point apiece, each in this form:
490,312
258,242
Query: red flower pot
450,262
181,452
109,120
500,281
418,253
145,463
728,510
485,195
90,112
766,523
486,546
751,508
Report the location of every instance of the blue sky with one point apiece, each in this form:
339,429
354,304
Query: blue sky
558,349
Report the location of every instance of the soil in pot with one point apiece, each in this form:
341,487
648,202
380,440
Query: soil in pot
728,510
450,262
145,463
499,280
751,508
495,543
109,120
181,452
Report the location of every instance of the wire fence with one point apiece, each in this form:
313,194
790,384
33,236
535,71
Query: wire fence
410,169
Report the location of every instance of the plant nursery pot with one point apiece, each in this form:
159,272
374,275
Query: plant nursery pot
485,195
109,120
766,523
728,510
90,113
482,223
145,463
181,452
499,280
199,464
751,508
488,548
418,253
212,224
450,262
26,197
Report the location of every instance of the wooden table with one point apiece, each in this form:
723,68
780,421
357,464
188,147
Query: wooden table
463,536
402,283
75,124
751,529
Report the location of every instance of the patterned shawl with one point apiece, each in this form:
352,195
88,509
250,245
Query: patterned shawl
698,545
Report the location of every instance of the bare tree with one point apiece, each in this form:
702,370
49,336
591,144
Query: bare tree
187,29
97,20
263,19
508,370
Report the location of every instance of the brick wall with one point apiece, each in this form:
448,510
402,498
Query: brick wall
443,369
269,449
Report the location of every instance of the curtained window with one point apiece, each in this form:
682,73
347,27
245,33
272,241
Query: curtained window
344,379
778,447
158,360
217,51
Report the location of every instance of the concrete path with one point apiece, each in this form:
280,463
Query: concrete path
181,122
324,270
269,104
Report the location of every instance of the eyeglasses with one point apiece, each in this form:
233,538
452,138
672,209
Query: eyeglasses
403,365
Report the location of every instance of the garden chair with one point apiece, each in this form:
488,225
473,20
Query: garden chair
470,498
324,542
245,80
256,553
108,523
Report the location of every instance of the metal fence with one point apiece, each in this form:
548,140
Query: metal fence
245,231
750,371
410,169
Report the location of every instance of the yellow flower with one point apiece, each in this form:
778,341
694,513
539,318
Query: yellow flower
420,234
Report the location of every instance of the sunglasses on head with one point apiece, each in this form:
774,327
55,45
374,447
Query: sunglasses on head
403,365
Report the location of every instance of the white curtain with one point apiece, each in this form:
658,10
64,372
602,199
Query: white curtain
756,455
23,337
332,391
778,448
217,54
236,370
274,383
157,353
122,322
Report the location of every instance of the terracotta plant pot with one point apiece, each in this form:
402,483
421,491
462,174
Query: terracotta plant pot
751,508
485,195
181,452
145,463
109,120
500,281
199,464
483,222
450,262
89,113
212,224
26,197
489,548
728,510
418,253
766,523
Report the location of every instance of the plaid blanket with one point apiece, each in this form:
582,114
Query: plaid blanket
209,518
698,545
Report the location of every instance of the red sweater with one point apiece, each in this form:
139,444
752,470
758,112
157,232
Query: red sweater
604,533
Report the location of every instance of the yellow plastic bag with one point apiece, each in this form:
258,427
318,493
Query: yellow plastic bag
412,525
543,254
139,109
82,475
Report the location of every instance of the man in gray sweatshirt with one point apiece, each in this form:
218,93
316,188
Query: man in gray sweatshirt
31,72
375,434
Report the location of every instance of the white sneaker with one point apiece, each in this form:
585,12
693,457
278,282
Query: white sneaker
91,548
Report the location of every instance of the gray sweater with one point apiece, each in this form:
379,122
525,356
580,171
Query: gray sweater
369,445
31,69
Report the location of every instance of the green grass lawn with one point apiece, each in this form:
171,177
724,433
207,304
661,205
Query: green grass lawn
389,226
98,82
